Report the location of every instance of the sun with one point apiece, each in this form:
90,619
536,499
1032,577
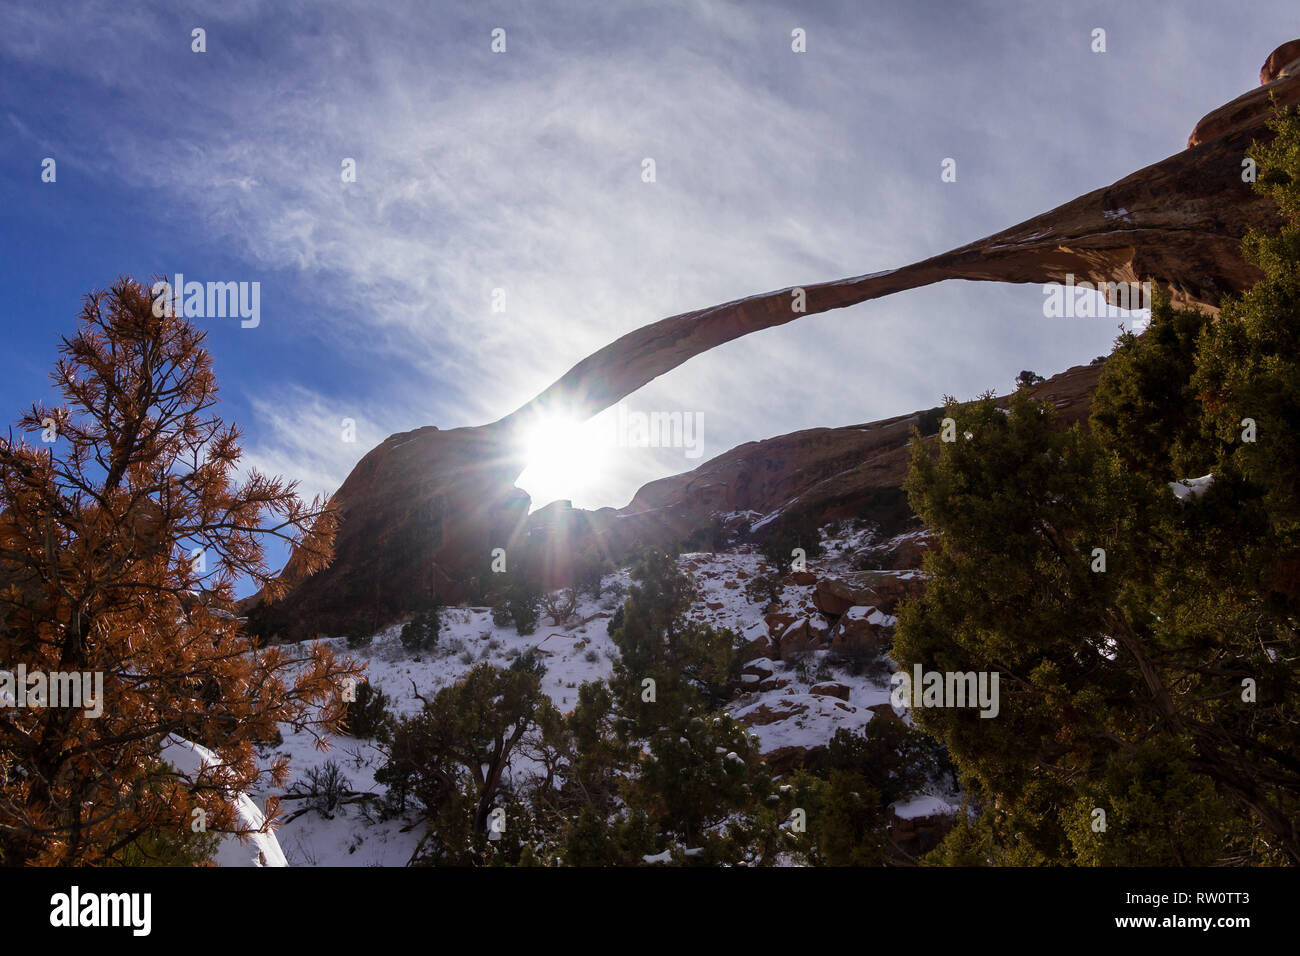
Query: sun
565,458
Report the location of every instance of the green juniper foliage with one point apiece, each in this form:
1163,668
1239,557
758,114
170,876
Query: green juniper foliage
368,717
1146,642
788,532
691,664
421,632
519,603
620,780
452,757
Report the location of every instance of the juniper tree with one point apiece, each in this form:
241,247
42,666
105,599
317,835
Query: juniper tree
1146,642
791,531
452,756
691,665
420,633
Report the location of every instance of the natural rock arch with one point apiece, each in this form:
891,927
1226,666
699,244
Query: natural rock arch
420,506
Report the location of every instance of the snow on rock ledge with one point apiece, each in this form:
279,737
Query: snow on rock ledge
190,758
1191,487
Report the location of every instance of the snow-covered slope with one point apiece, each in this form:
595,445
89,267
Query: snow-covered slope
789,705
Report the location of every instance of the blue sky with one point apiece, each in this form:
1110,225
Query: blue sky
522,171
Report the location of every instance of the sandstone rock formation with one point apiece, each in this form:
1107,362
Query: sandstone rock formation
1279,78
421,510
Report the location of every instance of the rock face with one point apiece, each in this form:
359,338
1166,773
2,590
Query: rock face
862,631
915,836
414,510
1284,61
830,473
420,511
1279,77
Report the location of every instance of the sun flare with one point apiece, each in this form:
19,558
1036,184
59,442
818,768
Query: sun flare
564,456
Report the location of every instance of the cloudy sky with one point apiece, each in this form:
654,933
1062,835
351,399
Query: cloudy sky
521,171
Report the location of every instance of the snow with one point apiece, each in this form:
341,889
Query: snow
765,521
811,720
778,710
923,806
871,615
873,275
1191,487
191,758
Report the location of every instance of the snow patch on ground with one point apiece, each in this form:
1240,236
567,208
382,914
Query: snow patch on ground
1191,487
780,710
262,848
924,806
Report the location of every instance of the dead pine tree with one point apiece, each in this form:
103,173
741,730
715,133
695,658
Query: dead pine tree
123,532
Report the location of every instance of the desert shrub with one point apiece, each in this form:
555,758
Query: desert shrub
520,605
927,422
709,537
529,662
560,605
588,574
421,632
368,717
360,633
791,531
691,664
887,510
764,589
325,788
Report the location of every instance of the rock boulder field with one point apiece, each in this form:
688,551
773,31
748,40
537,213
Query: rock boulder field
421,511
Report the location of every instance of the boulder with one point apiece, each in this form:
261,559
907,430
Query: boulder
806,634
777,622
887,588
834,596
773,712
909,551
885,711
786,760
916,834
831,688
795,640
862,630
758,648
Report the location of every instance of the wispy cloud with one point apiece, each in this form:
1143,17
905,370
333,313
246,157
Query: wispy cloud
309,437
522,172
